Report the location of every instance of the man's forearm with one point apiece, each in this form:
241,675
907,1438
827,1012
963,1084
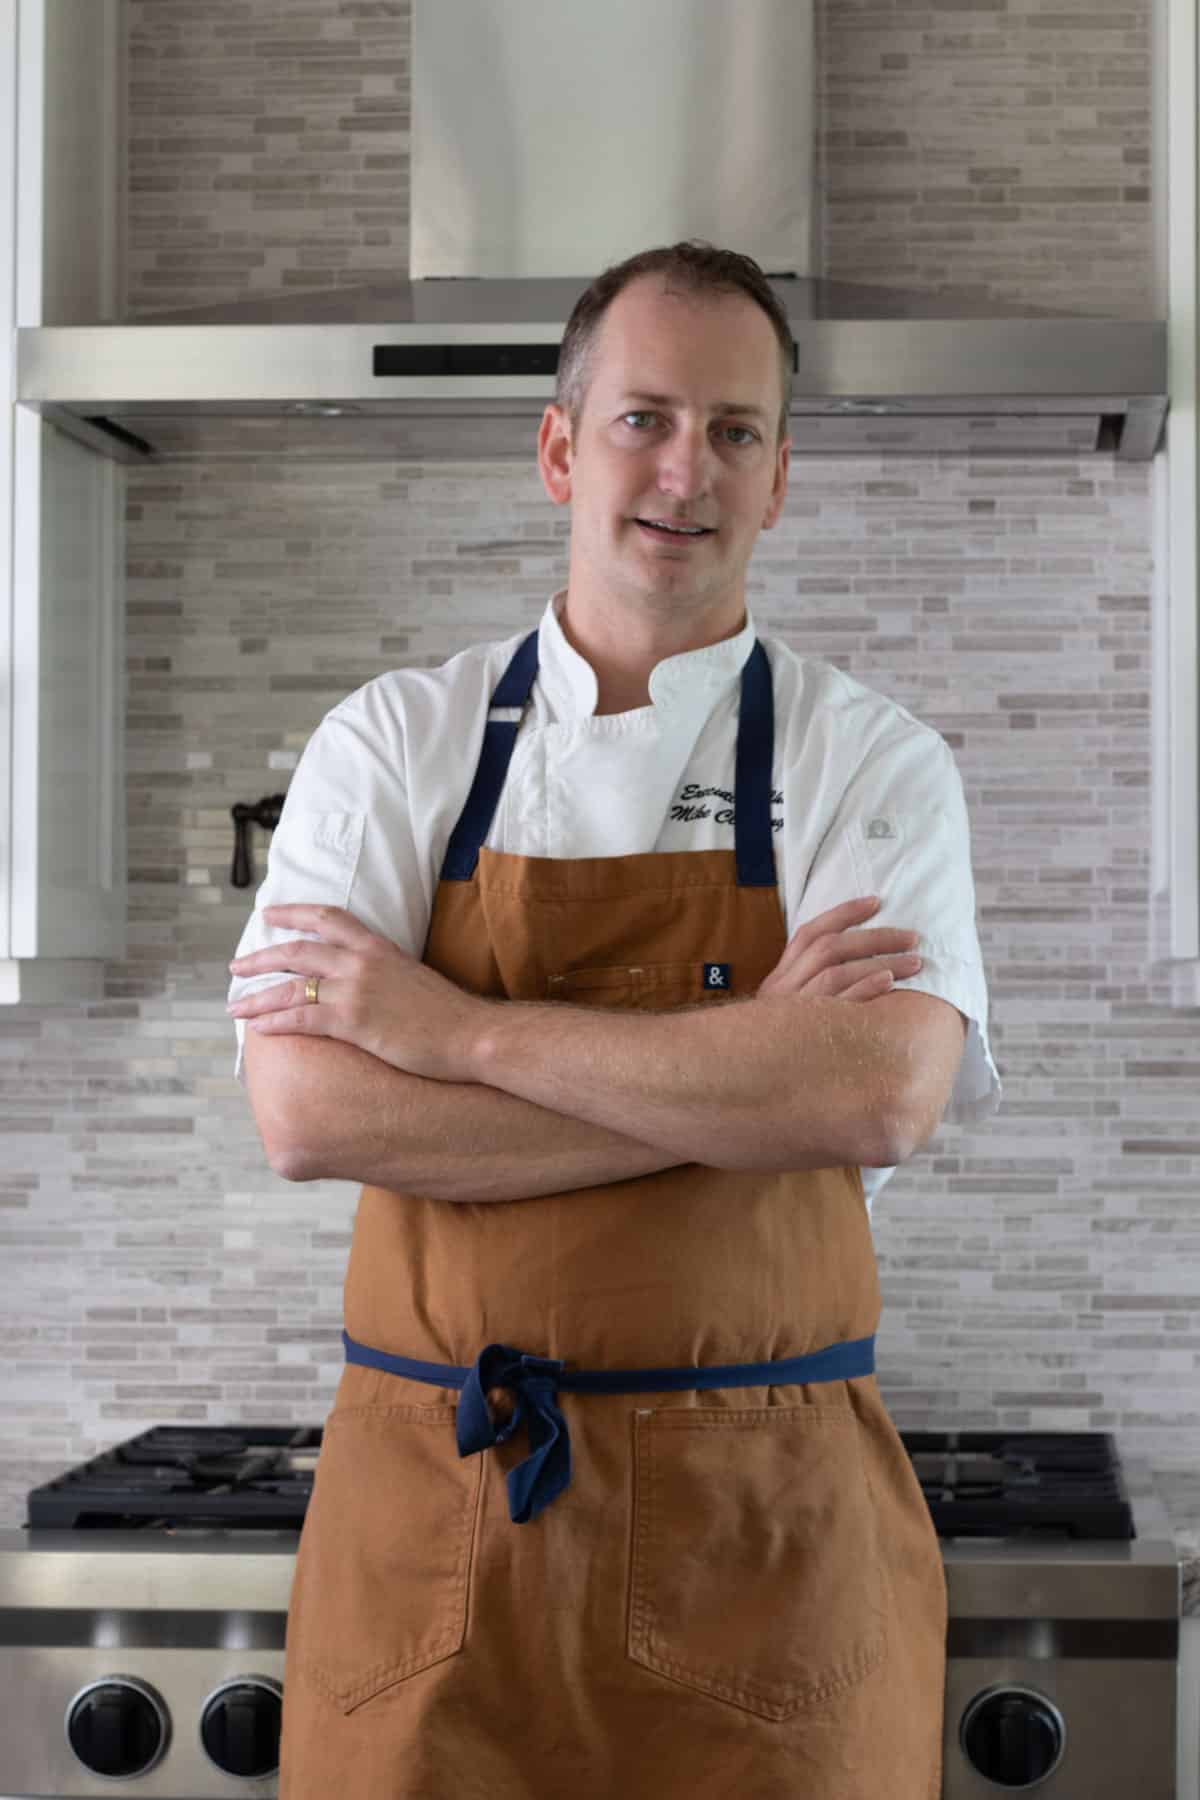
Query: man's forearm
328,1110
769,1083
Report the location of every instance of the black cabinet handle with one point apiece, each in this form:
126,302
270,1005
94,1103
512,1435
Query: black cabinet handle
266,813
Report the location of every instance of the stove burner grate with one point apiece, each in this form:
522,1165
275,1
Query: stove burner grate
230,1476
1011,1484
259,1477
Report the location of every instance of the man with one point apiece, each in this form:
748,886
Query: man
549,965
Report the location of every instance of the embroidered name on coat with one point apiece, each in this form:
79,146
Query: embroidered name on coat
691,804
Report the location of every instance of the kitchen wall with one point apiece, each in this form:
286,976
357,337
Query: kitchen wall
1041,1269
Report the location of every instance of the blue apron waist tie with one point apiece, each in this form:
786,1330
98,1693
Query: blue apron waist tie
535,1380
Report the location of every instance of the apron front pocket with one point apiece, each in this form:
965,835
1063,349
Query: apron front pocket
755,1569
380,1588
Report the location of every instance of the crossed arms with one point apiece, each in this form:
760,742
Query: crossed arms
539,1099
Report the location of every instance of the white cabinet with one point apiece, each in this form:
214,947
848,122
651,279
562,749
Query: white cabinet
1176,600
1188,1783
62,837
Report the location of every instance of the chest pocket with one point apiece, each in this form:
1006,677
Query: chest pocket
648,987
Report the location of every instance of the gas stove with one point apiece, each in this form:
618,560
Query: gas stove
142,1615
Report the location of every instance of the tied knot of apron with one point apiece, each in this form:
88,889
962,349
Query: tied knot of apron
545,1472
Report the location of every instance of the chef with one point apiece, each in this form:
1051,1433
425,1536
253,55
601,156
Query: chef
620,962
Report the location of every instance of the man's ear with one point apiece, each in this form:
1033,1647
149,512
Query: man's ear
555,454
779,490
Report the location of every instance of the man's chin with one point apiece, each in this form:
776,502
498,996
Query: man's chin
669,573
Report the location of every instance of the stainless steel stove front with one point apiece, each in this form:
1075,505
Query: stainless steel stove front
1062,1663
162,1657
1061,1672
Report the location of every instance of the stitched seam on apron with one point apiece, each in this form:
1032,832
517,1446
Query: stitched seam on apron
765,1695
692,1418
367,1686
577,899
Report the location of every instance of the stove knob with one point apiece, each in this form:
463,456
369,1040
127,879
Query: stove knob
1013,1735
118,1726
239,1727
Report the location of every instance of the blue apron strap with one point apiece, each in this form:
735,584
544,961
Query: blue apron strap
753,839
752,833
475,820
546,1471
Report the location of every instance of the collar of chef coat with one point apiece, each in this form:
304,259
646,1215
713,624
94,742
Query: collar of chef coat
686,686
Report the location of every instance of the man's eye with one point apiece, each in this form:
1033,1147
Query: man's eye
748,436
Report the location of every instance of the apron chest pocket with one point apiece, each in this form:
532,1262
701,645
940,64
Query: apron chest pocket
380,1588
755,1571
650,986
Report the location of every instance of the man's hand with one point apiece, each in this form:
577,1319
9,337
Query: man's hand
827,957
372,994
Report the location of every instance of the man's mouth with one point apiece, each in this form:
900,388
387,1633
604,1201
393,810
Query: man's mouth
674,534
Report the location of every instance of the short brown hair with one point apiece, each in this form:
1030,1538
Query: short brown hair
691,267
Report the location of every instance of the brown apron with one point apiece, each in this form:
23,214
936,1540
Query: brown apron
738,1590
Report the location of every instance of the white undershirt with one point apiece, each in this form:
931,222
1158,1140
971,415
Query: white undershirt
868,799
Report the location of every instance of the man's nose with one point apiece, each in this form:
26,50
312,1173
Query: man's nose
685,462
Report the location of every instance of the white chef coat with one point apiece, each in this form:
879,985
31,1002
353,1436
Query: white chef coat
867,800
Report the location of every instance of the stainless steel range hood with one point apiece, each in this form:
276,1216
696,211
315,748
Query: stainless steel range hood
516,115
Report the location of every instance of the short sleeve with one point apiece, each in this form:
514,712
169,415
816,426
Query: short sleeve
343,839
901,831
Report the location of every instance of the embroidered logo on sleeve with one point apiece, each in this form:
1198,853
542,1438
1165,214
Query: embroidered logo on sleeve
717,975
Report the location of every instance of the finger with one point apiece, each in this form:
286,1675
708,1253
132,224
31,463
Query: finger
854,947
870,986
301,956
845,952
837,918
834,979
898,967
840,918
842,946
309,1020
277,998
333,923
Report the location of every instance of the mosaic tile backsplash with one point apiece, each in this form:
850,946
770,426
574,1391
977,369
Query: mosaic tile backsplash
1041,1269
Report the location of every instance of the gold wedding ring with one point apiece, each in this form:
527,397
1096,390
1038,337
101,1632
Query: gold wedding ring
310,987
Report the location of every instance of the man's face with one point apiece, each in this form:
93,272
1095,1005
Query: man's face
680,457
